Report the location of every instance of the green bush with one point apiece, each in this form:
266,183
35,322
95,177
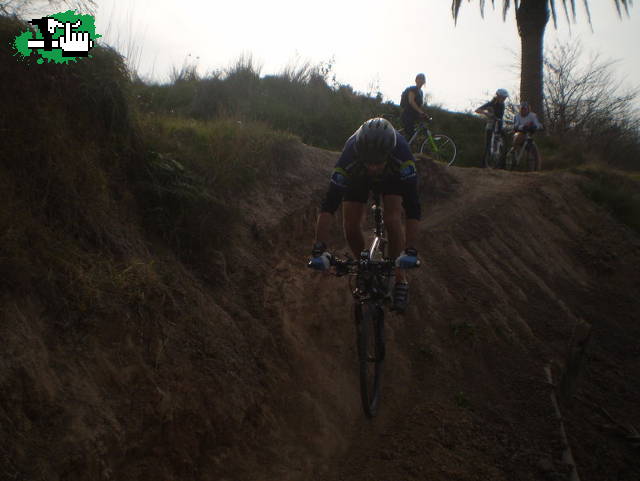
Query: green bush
616,192
194,168
298,101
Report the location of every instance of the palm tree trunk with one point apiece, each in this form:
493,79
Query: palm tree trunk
532,17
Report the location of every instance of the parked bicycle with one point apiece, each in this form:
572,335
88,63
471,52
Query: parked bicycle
373,272
439,147
494,156
527,155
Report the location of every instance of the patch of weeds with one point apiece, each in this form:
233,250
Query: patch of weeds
464,330
616,192
462,401
426,351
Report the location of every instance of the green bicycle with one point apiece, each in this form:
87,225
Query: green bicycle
439,147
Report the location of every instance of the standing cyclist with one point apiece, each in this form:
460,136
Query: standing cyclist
494,110
411,102
375,157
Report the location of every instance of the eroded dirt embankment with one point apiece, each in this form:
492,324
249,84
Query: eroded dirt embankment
514,264
253,377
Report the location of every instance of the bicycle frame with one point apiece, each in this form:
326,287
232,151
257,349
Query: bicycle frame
527,147
496,138
439,146
421,128
373,269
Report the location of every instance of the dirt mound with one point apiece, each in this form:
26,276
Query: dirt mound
516,265
256,379
122,362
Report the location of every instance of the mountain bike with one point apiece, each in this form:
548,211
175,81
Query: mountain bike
493,157
373,272
527,152
439,147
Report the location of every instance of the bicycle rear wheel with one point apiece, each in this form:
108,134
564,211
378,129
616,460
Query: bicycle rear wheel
495,157
533,158
440,147
371,352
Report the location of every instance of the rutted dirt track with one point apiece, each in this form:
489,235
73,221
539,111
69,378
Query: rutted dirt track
513,265
256,378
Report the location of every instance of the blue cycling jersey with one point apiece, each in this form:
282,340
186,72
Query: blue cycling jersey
351,166
351,180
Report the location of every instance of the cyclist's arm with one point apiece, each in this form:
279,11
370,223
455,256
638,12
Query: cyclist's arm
323,227
333,197
485,109
536,122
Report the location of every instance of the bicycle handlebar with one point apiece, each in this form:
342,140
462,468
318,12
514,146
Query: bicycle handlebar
353,266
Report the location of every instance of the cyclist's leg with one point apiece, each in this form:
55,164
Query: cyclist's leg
487,145
501,162
538,157
408,125
399,196
394,204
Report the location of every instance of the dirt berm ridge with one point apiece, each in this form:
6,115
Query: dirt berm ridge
256,378
124,360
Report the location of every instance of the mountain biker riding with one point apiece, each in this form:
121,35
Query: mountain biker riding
411,102
494,110
525,121
376,157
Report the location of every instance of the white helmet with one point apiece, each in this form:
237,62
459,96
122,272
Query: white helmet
502,93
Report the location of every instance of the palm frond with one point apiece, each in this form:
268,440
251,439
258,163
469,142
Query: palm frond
553,13
569,8
626,4
455,8
505,8
586,7
566,12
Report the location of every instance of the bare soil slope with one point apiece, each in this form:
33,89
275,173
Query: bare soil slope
515,267
254,377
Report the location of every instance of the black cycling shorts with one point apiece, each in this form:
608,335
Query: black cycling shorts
359,191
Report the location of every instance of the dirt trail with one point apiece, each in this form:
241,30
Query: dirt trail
512,264
253,377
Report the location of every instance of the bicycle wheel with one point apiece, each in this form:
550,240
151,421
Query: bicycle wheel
371,351
533,159
440,147
495,157
510,160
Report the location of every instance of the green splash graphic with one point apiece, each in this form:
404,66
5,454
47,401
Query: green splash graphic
55,55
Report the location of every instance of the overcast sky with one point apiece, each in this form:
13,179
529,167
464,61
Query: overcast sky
375,43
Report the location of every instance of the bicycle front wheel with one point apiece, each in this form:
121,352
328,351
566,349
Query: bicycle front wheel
440,147
495,157
371,352
510,160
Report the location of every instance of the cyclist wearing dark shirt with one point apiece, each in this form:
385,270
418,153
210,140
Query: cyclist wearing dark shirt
412,110
376,157
494,111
